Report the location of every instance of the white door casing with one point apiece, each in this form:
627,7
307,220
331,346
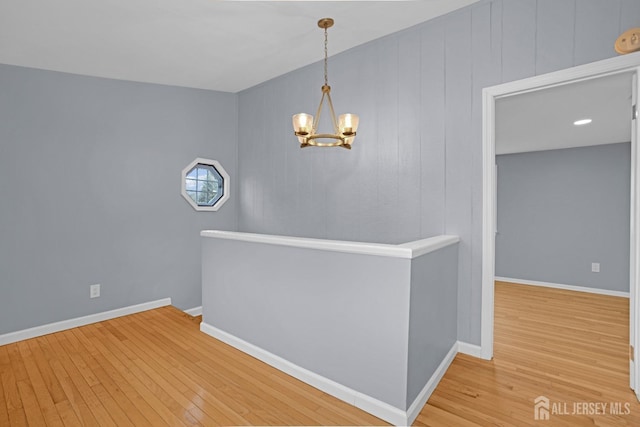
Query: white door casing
634,264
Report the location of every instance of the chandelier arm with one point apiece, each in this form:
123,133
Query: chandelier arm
316,119
333,114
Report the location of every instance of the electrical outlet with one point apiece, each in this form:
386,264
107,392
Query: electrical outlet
595,267
94,291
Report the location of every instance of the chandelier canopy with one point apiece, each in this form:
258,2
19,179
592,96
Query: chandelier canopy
305,126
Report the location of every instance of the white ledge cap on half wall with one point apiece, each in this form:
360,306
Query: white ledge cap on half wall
407,250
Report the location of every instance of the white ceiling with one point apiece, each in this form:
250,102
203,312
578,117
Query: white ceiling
208,44
543,120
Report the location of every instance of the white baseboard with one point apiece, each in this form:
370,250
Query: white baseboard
195,311
565,287
50,328
470,349
425,393
366,403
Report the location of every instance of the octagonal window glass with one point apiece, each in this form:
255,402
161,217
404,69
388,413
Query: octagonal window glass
205,184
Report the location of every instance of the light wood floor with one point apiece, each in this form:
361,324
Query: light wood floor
155,368
568,346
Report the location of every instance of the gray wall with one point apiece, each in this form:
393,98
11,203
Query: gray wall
343,316
90,189
561,210
416,166
432,315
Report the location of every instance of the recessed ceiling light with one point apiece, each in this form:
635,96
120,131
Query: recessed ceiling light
582,122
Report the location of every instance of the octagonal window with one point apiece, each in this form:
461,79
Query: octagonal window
205,184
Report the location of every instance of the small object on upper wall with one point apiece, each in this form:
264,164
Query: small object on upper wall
628,42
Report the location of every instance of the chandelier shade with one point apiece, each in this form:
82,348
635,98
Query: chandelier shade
305,126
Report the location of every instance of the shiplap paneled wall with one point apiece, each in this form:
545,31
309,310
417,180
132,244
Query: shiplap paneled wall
415,169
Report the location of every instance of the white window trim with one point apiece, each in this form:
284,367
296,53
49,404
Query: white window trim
225,184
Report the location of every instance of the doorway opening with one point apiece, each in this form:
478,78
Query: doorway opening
628,66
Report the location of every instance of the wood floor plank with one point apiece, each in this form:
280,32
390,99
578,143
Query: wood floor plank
151,377
17,364
158,405
45,401
71,408
121,388
74,355
49,379
195,376
74,397
4,413
91,370
68,415
81,392
438,417
31,406
183,382
6,381
119,417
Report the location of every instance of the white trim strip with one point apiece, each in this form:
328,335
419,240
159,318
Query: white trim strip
407,250
605,67
565,287
432,244
470,349
430,386
195,311
50,328
366,403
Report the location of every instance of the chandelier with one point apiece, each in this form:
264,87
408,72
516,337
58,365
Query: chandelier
305,126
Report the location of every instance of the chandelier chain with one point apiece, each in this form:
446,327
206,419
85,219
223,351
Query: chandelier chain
326,79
